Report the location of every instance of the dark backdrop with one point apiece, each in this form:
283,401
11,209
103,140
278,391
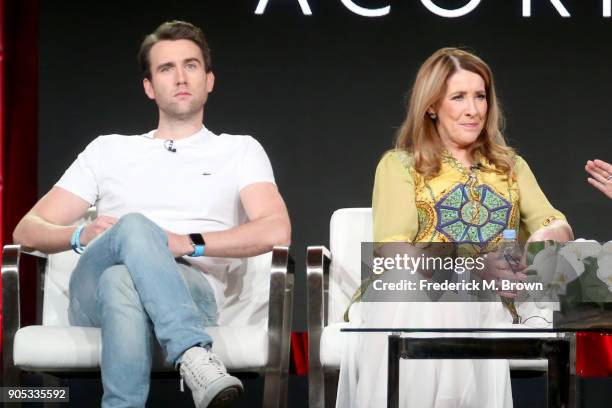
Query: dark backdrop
324,94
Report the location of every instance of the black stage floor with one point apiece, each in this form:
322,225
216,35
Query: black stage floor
528,389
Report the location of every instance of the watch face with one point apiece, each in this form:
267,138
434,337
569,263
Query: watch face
197,239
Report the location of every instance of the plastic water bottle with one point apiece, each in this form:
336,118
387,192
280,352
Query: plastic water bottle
511,253
510,249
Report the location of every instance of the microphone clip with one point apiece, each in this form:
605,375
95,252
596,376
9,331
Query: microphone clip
169,146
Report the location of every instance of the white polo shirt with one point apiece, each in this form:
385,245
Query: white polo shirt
194,189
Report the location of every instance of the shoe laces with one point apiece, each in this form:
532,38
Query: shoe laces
201,368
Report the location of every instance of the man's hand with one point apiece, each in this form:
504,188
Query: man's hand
179,245
98,226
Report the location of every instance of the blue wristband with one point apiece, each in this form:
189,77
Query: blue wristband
75,240
198,250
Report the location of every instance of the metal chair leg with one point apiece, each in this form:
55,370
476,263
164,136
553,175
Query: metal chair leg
393,371
558,375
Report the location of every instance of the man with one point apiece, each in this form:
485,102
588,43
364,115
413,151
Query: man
167,200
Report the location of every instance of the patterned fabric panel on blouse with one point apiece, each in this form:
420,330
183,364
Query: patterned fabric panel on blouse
463,205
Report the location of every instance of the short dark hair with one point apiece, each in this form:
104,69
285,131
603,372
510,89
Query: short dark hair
173,30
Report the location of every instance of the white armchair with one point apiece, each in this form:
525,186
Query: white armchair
253,333
333,277
332,280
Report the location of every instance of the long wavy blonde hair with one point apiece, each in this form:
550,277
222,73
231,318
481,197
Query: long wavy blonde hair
418,134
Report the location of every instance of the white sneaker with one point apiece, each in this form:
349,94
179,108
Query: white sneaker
208,379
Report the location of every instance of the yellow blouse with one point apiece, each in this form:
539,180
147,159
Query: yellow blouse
459,205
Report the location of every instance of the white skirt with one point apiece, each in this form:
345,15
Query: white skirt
423,383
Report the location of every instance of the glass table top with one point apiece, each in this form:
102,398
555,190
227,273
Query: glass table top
521,329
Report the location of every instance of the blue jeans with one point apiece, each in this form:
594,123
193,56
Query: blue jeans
128,284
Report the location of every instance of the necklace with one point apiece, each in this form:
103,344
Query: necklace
470,184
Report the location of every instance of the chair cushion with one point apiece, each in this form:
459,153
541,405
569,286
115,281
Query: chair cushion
530,365
79,348
332,340
524,364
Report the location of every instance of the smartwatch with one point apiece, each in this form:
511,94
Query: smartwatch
198,243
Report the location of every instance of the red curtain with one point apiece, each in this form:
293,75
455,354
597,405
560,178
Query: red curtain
19,126
299,352
1,142
594,355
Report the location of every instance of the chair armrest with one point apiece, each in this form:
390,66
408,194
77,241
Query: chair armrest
280,310
318,259
11,313
280,304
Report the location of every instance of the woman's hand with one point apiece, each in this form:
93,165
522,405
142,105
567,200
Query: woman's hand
558,230
500,267
601,176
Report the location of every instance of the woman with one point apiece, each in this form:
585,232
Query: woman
451,178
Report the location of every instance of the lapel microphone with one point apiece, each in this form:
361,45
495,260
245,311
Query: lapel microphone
169,146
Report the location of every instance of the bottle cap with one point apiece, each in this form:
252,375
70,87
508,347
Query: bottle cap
509,234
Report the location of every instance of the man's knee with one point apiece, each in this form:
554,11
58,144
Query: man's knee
137,225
